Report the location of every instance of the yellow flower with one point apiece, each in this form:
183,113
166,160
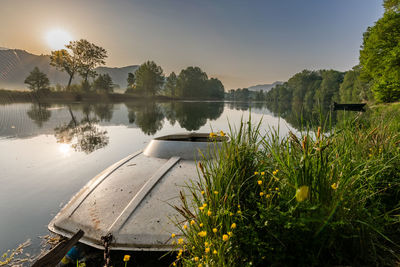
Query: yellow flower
238,206
215,230
262,173
275,172
205,205
216,192
202,192
201,208
207,250
196,258
200,265
276,188
180,241
213,135
261,194
185,226
222,133
334,186
174,264
231,214
173,235
192,222
230,233
193,248
268,196
259,182
202,233
233,226
127,258
225,237
239,212
201,224
215,252
256,173
206,244
302,193
209,213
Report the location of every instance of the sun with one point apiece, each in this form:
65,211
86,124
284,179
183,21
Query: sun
57,39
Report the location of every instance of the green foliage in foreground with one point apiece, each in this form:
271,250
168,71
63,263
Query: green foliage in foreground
305,200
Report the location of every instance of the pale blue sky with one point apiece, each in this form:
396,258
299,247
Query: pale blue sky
241,42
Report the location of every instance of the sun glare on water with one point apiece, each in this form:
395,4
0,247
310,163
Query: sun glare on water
57,39
64,149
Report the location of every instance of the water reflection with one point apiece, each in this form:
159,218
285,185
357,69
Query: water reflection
300,115
80,124
83,135
148,116
39,113
193,115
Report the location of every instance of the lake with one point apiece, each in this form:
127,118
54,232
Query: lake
49,151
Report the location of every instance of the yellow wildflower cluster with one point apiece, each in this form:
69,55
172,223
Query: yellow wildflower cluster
127,258
335,186
302,193
225,237
213,135
202,233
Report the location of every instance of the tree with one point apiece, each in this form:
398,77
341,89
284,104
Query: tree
65,61
149,78
37,80
353,89
103,83
191,82
131,80
81,58
170,86
328,90
391,5
91,56
214,88
380,57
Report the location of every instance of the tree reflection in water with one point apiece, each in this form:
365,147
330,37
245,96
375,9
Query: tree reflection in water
147,115
39,113
303,115
84,134
190,115
193,115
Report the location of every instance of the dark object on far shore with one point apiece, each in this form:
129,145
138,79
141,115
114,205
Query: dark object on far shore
349,107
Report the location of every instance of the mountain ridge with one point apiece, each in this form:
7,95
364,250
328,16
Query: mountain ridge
264,87
16,64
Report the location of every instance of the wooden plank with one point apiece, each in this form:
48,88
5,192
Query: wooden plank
54,256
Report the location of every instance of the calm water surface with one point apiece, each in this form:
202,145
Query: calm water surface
48,152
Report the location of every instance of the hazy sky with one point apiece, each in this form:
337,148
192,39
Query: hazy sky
241,42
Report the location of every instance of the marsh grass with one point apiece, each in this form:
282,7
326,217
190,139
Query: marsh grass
321,197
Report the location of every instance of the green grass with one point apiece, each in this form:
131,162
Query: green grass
324,197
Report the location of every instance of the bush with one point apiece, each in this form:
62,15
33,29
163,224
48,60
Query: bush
303,200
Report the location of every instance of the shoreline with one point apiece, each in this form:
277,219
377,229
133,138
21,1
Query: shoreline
11,96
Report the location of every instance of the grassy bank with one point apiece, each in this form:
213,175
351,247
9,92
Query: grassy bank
324,197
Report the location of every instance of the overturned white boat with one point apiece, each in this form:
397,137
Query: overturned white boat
133,199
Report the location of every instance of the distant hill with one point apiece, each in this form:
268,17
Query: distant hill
15,65
264,87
